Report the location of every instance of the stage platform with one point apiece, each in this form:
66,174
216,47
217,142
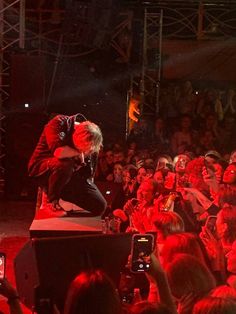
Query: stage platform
65,226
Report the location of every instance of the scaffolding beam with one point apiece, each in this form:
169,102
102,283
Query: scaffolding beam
146,80
12,29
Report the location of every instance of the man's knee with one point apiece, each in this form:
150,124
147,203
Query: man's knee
96,206
100,207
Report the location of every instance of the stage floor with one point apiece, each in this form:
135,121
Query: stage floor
16,218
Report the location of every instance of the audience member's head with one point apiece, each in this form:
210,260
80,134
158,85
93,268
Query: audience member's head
231,259
147,190
145,307
159,177
185,122
194,174
119,156
129,173
184,242
164,162
92,292
229,176
226,224
227,195
224,291
142,173
180,163
108,154
232,157
214,161
118,172
167,223
215,305
186,274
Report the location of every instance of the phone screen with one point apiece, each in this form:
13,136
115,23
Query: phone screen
142,247
2,265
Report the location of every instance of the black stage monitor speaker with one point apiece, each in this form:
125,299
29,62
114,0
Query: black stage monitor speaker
44,268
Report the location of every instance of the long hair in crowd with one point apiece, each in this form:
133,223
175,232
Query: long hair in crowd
187,274
215,305
92,292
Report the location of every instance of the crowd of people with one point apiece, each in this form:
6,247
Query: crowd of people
176,179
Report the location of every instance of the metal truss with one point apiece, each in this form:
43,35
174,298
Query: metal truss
146,81
200,19
121,36
151,67
175,19
11,35
77,29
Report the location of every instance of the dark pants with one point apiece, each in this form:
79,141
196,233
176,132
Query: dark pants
61,181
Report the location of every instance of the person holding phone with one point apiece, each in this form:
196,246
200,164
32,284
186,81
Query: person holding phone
7,290
145,253
141,211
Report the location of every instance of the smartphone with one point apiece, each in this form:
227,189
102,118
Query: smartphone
141,247
154,233
2,265
211,223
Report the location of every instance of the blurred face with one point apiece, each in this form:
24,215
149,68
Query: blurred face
218,172
126,176
213,164
159,124
109,157
221,226
161,164
149,162
117,170
229,176
210,122
141,175
158,177
208,137
118,157
232,157
145,192
186,122
231,259
181,163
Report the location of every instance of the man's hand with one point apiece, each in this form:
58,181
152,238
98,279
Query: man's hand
66,152
7,290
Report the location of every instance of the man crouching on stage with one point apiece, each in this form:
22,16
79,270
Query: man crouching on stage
64,163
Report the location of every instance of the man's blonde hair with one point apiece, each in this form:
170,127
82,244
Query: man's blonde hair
87,136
